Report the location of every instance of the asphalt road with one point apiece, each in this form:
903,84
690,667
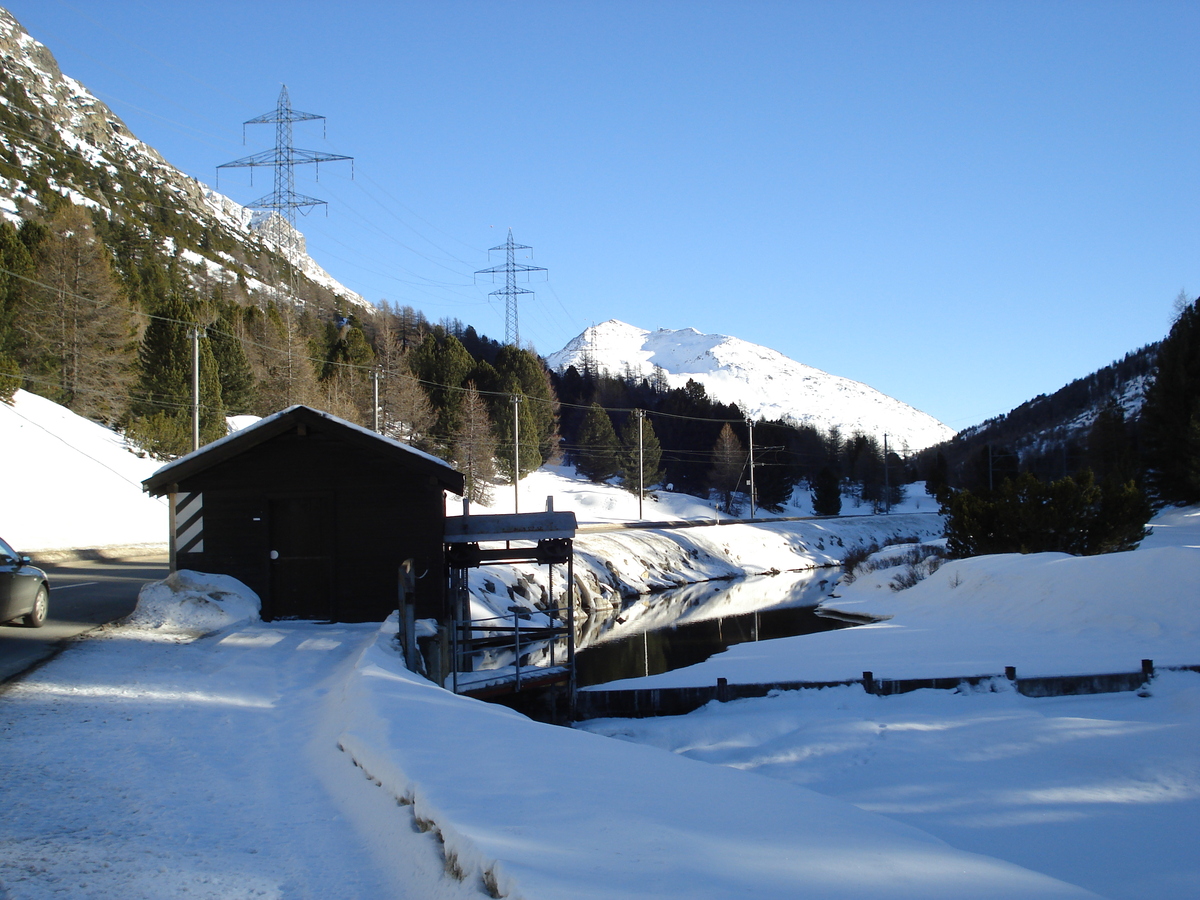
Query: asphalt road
83,594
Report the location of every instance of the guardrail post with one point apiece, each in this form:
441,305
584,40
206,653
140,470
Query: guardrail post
570,598
868,682
517,646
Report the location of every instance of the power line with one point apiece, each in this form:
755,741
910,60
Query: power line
368,368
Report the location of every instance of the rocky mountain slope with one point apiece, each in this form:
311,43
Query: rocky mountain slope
763,383
57,138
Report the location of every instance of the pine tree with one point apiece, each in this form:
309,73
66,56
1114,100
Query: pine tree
629,458
233,368
347,360
1023,515
16,282
1111,453
1171,414
10,378
475,448
827,492
529,456
533,380
443,367
161,408
595,456
937,481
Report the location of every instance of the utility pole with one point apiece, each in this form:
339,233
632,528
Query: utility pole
511,269
641,415
887,488
375,398
750,425
516,405
195,388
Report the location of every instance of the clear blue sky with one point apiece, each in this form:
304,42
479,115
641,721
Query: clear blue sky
961,204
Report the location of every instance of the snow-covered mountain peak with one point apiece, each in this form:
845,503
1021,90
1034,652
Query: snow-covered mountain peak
764,383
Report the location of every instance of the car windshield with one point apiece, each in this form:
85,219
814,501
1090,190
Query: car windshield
6,550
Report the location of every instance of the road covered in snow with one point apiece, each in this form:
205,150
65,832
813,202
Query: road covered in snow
300,760
149,765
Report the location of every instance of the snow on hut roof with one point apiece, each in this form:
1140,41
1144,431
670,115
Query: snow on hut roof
266,428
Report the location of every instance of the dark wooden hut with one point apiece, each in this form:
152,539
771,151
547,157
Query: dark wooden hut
314,513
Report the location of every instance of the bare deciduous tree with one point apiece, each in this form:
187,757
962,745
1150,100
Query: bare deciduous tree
79,323
475,448
729,461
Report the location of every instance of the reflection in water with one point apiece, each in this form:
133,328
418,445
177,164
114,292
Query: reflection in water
686,626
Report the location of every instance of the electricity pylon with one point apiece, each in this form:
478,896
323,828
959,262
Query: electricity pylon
510,291
284,158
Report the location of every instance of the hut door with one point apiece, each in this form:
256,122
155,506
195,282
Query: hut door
302,556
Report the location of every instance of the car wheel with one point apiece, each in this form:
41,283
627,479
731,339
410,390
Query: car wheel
41,605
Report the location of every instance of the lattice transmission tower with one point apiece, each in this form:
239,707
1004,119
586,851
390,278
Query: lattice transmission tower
284,200
511,269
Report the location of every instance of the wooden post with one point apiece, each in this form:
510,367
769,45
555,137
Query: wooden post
868,682
195,389
172,524
407,612
552,612
516,405
641,414
1010,672
571,632
517,645
722,690
456,578
1148,668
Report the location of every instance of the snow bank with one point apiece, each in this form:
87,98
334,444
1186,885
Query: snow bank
612,568
538,811
1102,791
72,483
194,602
1044,613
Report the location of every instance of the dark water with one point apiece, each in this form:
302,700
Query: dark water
696,629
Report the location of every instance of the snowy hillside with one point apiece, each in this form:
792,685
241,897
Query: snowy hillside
762,382
72,483
52,123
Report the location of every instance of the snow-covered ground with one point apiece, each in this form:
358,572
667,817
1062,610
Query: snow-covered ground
1044,613
299,760
293,759
76,484
72,483
1102,791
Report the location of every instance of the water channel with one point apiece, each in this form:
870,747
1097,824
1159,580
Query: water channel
687,625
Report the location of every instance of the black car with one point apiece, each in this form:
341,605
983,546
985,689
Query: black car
24,589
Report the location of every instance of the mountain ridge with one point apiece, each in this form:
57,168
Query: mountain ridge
764,383
52,123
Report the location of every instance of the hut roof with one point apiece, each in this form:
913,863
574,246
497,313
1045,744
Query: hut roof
446,476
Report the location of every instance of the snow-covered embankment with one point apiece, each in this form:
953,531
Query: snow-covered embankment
618,566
